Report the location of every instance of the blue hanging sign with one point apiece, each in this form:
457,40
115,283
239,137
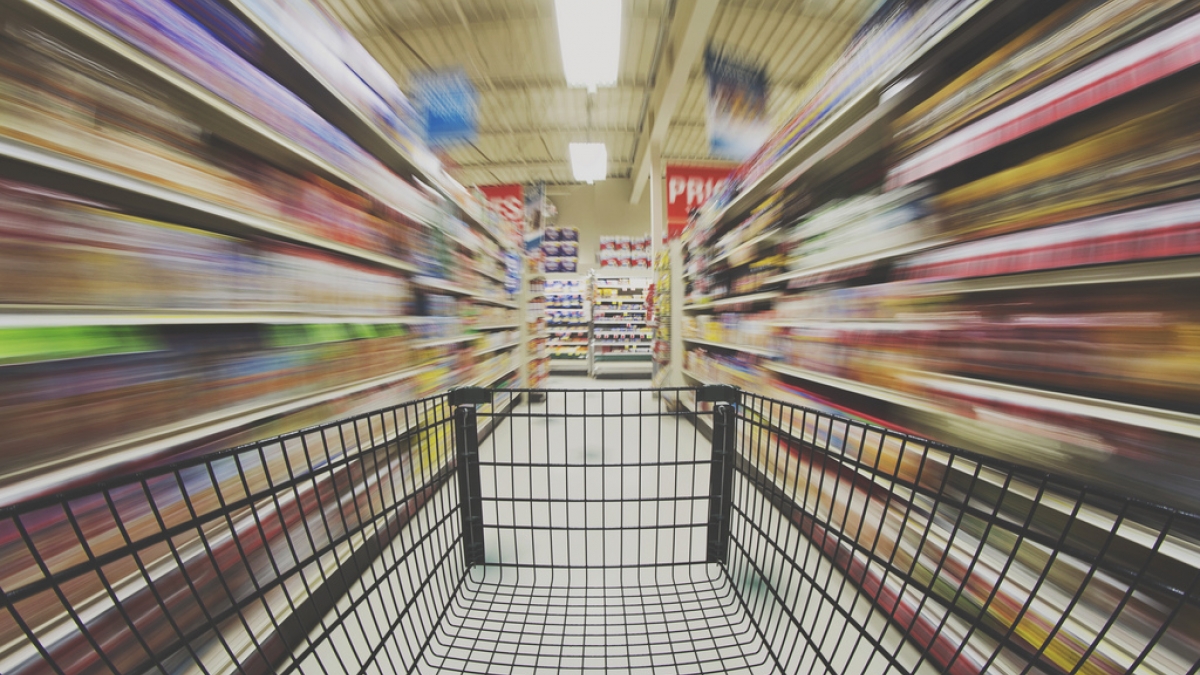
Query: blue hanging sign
449,106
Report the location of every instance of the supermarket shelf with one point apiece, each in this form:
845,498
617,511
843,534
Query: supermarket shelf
622,356
488,380
433,283
108,185
437,342
498,278
1118,273
1149,60
620,311
507,345
865,324
691,375
733,300
748,244
215,113
483,299
81,467
571,343
49,316
858,261
622,368
569,365
331,104
845,384
842,134
1103,522
618,302
582,328
619,323
1155,419
499,326
737,348
619,343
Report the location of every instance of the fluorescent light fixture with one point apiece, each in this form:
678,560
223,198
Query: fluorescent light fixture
589,161
589,32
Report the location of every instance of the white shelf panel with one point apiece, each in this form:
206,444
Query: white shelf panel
507,345
438,342
858,261
733,300
146,445
1152,270
179,207
51,316
737,348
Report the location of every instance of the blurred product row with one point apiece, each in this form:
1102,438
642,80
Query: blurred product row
1034,297
191,252
983,228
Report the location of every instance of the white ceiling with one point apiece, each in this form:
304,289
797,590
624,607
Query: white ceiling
528,115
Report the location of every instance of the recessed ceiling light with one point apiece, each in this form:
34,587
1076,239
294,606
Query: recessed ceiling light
589,33
589,161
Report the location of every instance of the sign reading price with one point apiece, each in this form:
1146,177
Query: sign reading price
688,187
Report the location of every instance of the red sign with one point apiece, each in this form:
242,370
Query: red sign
687,188
508,200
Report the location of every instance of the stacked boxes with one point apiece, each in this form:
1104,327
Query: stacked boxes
560,246
625,252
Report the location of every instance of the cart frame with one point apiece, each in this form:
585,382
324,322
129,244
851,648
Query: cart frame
447,534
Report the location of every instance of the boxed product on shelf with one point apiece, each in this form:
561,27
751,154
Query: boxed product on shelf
145,137
115,383
66,252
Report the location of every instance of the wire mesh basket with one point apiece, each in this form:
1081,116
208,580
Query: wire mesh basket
680,530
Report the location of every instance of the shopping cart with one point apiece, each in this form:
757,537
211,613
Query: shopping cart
682,530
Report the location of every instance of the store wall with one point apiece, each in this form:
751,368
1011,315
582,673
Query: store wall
600,209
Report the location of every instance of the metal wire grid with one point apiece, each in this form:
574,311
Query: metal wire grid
889,553
595,522
241,561
356,548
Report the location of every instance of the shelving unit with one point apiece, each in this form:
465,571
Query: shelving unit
225,251
536,333
622,338
980,245
938,251
568,303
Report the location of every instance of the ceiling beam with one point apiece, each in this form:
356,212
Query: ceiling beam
685,43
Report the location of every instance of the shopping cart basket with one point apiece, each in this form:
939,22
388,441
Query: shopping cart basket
682,531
